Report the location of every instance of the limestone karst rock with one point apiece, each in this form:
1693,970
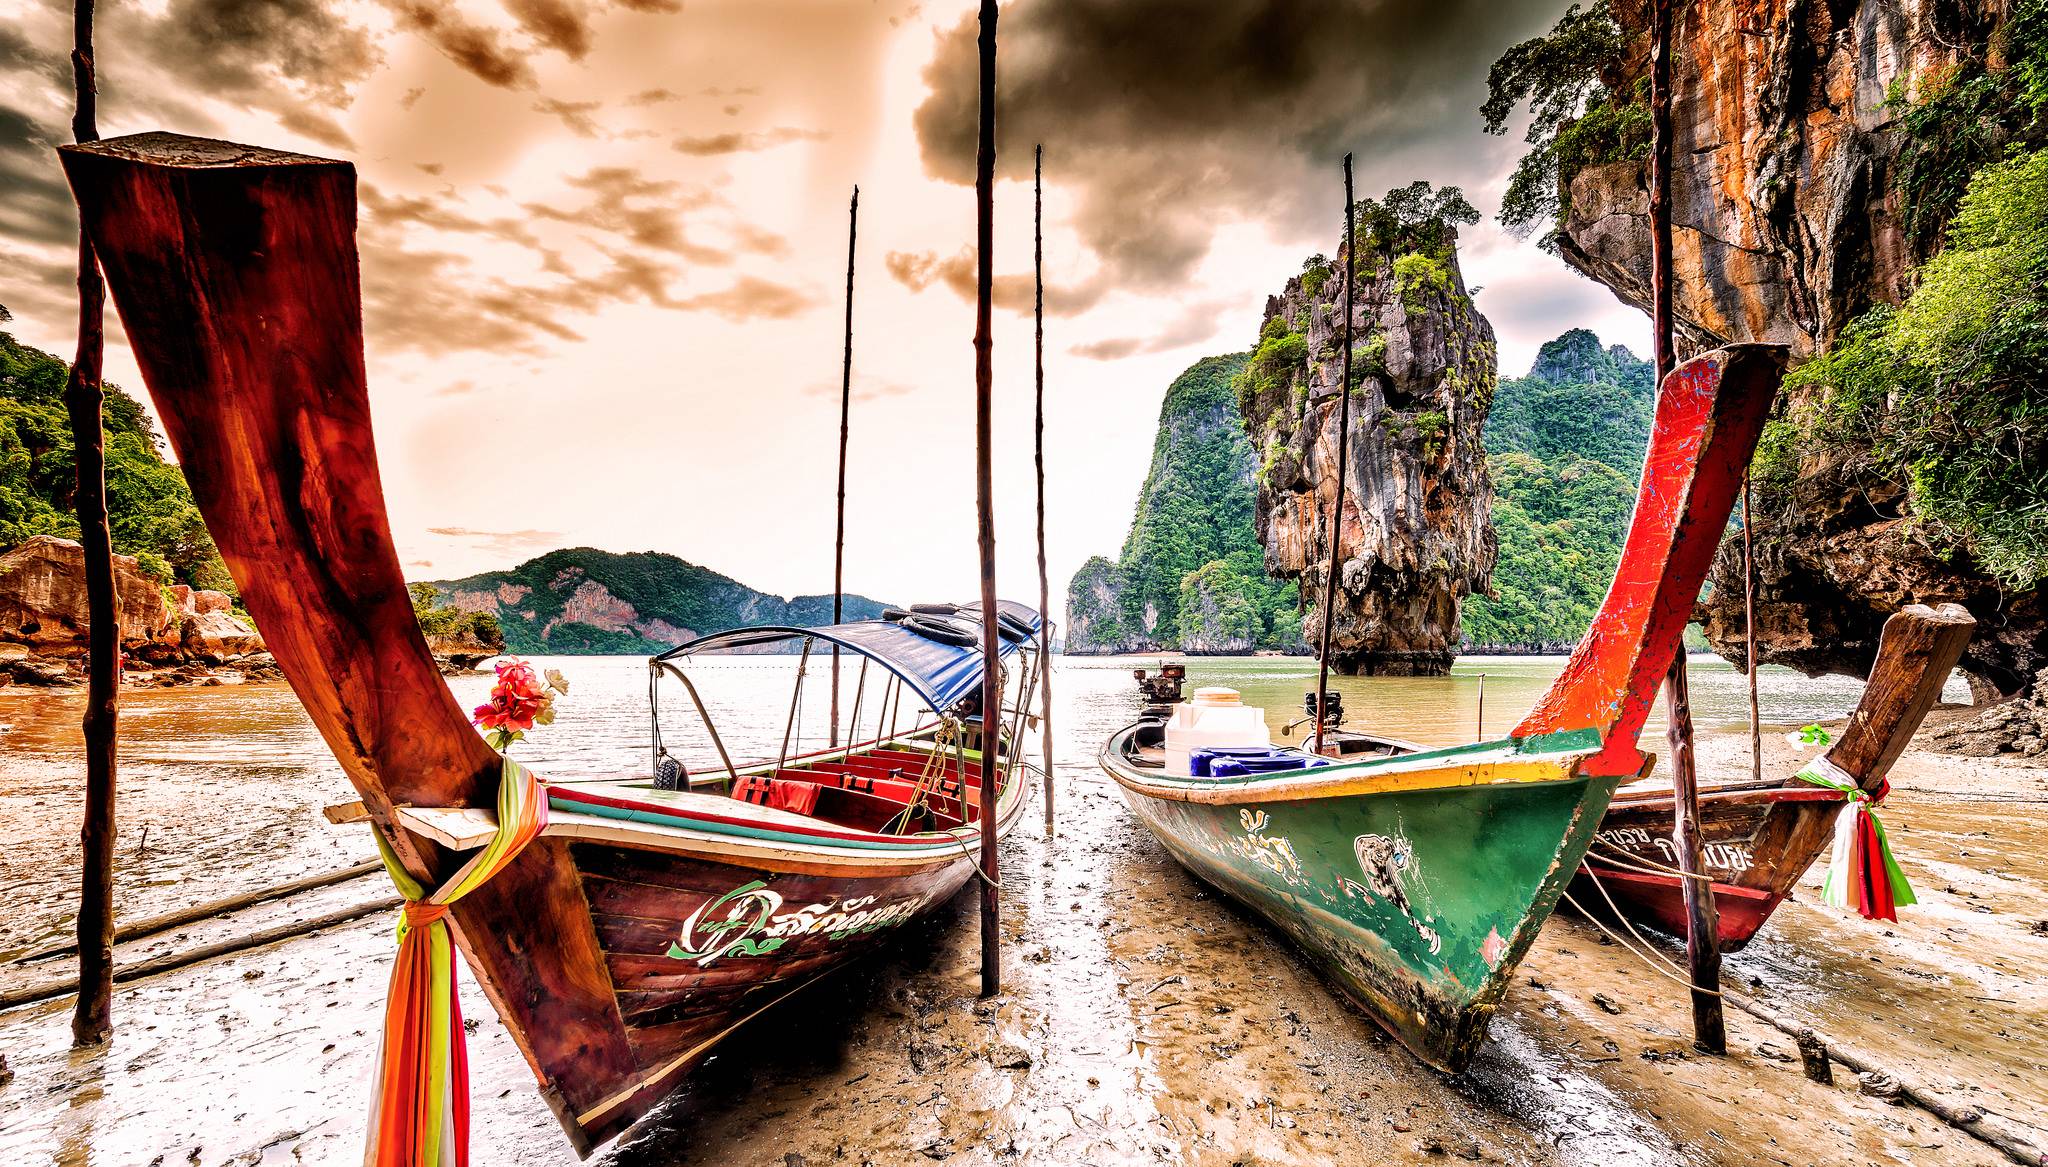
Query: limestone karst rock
1416,537
1191,576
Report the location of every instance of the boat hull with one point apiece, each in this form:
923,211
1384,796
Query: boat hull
1418,902
695,947
1631,870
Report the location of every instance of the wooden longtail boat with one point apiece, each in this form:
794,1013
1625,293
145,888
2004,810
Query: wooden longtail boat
1418,880
642,924
1759,838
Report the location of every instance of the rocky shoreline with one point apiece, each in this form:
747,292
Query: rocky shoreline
171,635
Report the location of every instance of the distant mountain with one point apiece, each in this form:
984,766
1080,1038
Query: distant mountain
1193,574
582,600
1564,449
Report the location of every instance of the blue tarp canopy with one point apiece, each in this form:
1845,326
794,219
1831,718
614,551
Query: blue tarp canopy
940,673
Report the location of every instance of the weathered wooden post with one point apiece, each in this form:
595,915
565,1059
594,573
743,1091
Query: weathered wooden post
1038,453
1756,729
984,507
1343,459
1702,941
92,1019
845,415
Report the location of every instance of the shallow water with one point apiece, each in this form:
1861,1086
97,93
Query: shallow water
1159,1023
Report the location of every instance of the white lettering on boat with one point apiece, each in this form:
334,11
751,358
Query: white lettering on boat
749,920
1733,858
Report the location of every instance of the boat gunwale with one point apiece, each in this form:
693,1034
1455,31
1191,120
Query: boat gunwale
1562,750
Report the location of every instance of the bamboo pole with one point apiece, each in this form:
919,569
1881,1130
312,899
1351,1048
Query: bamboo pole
1343,459
1038,449
84,396
1702,941
984,489
2018,1143
1756,729
151,925
845,417
170,961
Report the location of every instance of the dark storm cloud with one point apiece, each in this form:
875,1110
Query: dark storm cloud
1167,118
36,206
248,49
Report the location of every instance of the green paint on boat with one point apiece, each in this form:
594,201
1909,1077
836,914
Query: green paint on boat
1419,903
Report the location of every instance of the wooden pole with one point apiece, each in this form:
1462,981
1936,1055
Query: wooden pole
1702,941
1343,460
984,506
1038,453
92,1018
1756,729
845,417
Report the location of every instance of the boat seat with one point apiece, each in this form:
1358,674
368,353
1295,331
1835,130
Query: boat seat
778,793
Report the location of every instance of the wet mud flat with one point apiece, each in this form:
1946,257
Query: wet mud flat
1145,1019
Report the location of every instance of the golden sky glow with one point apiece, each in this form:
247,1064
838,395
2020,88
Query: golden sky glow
603,244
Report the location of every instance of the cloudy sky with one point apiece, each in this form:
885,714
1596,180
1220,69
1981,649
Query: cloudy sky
604,241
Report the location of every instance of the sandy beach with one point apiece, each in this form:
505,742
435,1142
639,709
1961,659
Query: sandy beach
1145,1019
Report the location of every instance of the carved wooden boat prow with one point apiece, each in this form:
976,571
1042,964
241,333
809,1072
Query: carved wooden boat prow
1419,879
644,923
1759,838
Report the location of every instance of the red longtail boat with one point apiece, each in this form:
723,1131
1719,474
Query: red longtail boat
620,928
1760,838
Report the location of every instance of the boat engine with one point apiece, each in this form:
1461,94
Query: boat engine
1333,707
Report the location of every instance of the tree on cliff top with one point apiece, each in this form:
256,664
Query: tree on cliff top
1582,113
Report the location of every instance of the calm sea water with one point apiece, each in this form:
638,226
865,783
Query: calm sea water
602,728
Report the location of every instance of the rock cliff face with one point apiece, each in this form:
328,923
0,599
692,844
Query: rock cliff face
1415,536
1192,574
1784,223
1786,226
42,598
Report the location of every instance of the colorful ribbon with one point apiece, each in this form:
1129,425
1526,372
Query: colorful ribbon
420,1104
1861,873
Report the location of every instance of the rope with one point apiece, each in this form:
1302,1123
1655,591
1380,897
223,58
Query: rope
1655,962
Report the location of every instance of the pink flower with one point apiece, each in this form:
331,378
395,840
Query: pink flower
518,699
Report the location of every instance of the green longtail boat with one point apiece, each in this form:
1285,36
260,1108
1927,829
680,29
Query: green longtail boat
1418,879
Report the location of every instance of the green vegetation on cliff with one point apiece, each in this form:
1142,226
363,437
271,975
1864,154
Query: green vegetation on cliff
1192,574
1564,447
1948,392
582,600
149,507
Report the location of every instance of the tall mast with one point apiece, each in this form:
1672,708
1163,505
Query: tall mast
845,415
1038,451
1336,521
984,507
